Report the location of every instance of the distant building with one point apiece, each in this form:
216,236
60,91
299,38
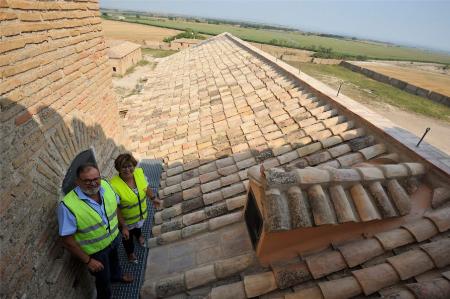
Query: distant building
123,55
183,43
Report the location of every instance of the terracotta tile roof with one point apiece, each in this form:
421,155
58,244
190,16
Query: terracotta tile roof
217,112
119,49
368,280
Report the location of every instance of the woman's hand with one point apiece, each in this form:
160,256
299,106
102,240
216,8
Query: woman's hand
157,203
125,233
149,192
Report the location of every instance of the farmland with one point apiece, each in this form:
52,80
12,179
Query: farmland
439,82
135,32
295,39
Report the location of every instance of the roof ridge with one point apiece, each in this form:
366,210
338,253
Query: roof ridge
319,194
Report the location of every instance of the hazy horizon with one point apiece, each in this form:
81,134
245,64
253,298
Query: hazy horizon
409,23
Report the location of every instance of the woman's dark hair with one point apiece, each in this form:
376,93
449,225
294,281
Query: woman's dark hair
123,159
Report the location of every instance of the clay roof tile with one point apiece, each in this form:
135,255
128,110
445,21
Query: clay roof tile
399,197
382,200
358,252
320,205
411,263
439,251
258,284
375,278
291,275
436,289
422,229
325,263
310,293
340,288
440,196
429,275
394,171
394,238
234,290
277,211
299,210
363,204
441,218
373,151
341,203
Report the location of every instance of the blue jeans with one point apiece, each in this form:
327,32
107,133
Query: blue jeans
111,272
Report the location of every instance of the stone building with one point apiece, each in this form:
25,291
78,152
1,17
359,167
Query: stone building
183,43
123,55
274,187
56,100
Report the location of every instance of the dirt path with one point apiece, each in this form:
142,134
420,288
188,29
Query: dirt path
438,136
126,85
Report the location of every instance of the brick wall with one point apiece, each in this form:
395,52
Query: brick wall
56,101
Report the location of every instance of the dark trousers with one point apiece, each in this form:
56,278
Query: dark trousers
111,272
129,244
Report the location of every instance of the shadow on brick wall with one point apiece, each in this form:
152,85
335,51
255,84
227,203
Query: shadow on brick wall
37,146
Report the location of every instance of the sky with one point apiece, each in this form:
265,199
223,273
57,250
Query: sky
423,24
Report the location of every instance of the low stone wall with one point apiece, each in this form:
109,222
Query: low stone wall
56,100
408,87
156,45
326,61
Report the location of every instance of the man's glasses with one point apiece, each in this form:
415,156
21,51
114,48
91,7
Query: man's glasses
93,181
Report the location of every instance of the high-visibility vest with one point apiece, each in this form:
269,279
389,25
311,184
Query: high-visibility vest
92,233
133,208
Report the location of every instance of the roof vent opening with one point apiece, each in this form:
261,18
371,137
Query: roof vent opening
253,219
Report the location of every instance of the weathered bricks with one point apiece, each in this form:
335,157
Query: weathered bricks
56,86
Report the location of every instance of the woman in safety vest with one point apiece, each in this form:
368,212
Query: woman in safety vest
132,187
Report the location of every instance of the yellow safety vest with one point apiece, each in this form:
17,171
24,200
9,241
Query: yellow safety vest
92,234
133,208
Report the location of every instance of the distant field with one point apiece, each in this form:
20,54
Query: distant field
135,32
425,79
368,91
372,50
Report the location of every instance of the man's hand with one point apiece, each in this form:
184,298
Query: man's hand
125,233
94,265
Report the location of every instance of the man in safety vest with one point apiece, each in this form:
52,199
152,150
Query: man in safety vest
89,224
